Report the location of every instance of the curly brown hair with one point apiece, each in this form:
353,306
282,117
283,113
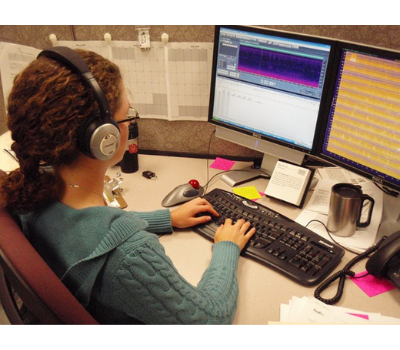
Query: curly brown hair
46,107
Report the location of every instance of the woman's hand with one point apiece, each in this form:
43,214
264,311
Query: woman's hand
239,233
185,215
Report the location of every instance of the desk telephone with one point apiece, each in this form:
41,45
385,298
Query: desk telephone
385,263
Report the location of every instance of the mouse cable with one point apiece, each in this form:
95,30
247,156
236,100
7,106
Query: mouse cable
209,181
341,275
207,170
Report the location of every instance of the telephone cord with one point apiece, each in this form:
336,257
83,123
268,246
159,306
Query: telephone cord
342,276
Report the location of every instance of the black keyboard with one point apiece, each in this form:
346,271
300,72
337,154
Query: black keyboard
279,242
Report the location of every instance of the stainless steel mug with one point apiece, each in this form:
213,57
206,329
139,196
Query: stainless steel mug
345,209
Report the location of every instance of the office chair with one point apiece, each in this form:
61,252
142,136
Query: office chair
25,278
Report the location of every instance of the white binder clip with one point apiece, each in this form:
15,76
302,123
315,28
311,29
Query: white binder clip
144,38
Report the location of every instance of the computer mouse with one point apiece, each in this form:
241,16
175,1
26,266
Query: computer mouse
183,193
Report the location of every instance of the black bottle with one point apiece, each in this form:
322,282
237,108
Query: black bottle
130,162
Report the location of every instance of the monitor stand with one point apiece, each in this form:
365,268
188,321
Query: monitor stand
237,177
272,153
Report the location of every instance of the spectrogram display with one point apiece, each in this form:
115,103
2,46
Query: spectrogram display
278,64
365,122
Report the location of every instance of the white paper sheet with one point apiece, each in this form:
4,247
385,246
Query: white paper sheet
13,58
308,310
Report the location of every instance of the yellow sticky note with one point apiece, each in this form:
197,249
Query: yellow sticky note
249,192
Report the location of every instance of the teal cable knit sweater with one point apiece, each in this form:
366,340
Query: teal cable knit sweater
114,264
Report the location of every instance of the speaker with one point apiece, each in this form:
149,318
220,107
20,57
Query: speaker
99,137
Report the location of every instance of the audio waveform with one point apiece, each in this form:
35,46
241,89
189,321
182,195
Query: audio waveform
280,65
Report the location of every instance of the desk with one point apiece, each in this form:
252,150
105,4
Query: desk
261,289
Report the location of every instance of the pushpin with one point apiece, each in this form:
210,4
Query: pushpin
164,38
107,37
53,39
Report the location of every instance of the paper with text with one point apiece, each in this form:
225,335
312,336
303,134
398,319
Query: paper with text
13,59
288,182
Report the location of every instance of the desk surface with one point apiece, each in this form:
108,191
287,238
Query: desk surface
261,289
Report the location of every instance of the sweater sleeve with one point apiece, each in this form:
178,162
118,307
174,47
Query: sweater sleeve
141,282
159,221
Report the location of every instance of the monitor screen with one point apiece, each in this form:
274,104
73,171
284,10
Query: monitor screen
269,85
362,130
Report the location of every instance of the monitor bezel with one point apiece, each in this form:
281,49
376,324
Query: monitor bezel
372,50
279,33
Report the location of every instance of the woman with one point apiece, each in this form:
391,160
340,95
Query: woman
109,258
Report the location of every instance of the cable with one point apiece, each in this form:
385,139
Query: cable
208,182
207,170
73,33
330,236
341,275
222,172
387,190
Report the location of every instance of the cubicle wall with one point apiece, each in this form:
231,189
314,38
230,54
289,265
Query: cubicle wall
183,137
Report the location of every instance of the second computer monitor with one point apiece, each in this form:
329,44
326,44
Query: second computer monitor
267,90
362,126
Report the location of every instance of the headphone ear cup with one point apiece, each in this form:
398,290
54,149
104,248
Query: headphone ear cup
100,140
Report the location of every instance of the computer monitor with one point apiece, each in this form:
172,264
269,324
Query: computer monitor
362,126
267,92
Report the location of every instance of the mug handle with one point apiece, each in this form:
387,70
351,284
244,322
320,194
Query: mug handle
364,198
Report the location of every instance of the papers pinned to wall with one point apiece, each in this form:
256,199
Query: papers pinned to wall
170,82
13,59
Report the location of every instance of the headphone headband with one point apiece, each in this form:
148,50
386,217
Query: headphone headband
99,138
72,60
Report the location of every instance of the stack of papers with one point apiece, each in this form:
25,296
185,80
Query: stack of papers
308,310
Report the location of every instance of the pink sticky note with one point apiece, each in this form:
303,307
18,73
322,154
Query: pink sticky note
371,285
365,317
222,164
262,194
